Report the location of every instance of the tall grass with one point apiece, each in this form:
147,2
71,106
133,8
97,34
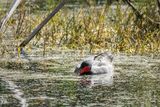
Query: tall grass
114,28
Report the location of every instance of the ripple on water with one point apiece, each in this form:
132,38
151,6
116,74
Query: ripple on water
135,83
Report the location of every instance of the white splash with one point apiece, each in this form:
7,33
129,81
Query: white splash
103,79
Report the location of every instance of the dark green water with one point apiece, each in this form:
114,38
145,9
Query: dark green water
136,83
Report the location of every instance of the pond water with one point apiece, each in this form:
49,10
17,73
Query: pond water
136,83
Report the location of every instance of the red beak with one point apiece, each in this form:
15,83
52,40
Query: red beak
85,70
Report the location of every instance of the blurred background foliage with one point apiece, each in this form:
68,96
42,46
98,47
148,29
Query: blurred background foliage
85,25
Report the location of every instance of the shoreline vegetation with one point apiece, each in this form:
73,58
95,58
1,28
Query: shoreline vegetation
118,27
44,77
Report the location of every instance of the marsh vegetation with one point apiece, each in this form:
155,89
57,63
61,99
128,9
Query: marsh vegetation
116,27
44,76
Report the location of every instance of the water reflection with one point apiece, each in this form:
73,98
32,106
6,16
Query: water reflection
96,80
16,92
135,84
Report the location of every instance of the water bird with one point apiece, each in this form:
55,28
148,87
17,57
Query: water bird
98,64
